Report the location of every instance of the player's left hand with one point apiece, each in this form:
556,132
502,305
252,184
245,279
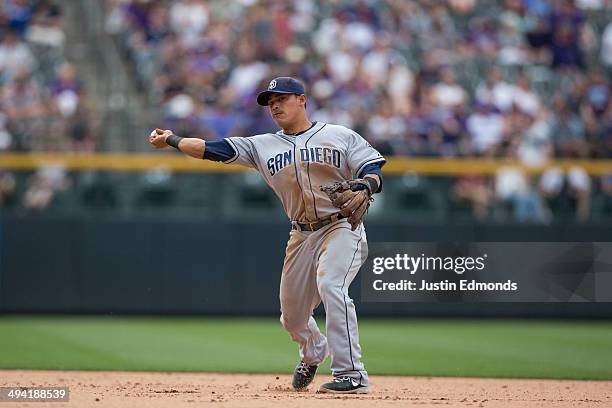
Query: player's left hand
158,137
352,197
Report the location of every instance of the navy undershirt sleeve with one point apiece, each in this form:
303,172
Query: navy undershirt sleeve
218,150
374,168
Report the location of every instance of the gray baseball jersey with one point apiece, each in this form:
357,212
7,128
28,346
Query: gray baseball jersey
320,265
296,166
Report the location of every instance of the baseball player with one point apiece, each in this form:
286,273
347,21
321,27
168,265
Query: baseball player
325,176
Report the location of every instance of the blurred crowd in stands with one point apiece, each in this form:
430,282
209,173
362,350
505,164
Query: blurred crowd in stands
429,77
41,99
42,104
528,80
520,79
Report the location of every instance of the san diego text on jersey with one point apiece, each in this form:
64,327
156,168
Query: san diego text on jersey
316,154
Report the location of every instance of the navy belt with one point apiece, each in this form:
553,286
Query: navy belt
316,225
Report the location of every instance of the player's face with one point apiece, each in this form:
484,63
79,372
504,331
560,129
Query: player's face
286,108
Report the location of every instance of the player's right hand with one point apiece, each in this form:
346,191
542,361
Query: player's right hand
158,137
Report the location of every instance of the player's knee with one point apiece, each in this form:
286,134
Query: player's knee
328,288
292,324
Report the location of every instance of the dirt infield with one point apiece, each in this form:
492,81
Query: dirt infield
177,390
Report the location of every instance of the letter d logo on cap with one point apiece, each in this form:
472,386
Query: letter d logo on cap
272,84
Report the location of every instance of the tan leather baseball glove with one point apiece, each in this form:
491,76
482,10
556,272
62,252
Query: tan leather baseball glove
352,197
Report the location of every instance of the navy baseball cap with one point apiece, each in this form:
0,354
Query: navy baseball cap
283,85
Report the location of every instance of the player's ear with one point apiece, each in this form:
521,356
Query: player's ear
302,99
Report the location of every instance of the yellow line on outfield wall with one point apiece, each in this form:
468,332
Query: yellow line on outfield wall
113,162
178,163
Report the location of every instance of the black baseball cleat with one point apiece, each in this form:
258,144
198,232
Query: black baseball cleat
303,375
344,385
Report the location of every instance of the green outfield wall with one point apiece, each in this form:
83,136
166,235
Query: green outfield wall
212,266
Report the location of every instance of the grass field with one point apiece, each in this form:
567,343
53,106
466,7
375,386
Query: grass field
480,348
